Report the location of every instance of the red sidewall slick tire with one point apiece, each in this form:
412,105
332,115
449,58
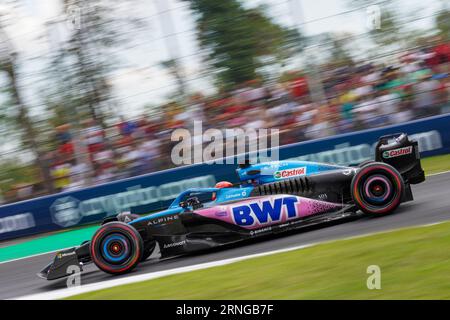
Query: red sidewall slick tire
377,188
116,248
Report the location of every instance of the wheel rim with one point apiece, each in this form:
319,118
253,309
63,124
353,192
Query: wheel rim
377,189
116,248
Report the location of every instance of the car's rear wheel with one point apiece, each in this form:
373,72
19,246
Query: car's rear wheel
377,188
116,248
365,162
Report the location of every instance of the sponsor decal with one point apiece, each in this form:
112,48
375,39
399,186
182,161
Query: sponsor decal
221,214
65,211
255,232
397,152
233,195
236,195
65,254
17,222
323,196
163,220
288,173
265,212
174,244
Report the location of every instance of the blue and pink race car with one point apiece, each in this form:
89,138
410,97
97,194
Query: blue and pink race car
270,198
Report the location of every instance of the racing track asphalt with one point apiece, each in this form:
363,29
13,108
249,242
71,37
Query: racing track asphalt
432,200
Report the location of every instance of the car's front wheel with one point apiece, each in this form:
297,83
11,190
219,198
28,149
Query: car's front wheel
116,248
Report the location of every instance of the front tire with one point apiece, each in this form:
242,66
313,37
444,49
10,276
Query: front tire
377,188
116,248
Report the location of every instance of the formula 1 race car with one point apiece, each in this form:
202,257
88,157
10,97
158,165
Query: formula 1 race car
270,198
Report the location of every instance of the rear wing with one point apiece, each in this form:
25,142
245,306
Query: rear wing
403,154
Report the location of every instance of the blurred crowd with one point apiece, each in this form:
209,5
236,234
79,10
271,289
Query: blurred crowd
414,85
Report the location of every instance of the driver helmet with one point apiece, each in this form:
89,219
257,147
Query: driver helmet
221,185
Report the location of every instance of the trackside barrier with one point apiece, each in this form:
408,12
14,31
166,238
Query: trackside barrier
155,191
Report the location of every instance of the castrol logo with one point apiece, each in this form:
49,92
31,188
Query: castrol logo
397,152
288,173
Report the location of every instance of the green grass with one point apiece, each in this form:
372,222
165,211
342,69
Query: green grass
414,262
436,164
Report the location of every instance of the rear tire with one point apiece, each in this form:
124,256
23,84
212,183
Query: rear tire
377,188
365,162
116,248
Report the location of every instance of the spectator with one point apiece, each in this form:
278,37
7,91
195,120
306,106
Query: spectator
388,103
426,96
61,176
78,175
93,136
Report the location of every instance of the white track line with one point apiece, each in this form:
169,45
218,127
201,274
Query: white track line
64,293
437,173
34,255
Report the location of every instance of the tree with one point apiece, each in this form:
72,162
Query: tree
80,77
173,66
335,47
8,65
442,22
236,38
81,64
